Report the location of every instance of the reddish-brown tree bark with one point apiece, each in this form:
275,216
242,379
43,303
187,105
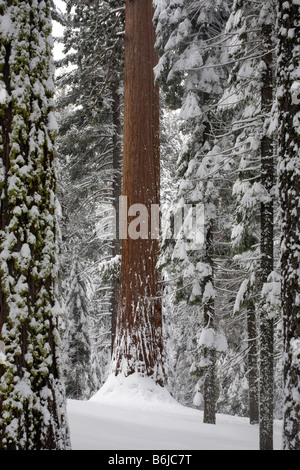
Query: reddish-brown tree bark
138,344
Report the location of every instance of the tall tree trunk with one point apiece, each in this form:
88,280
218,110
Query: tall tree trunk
138,345
266,405
209,388
32,402
252,363
289,193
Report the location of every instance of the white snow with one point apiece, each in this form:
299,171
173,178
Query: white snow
295,347
135,414
212,339
52,123
190,108
3,93
6,24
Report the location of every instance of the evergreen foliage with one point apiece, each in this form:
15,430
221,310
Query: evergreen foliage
229,191
89,114
80,380
216,66
187,53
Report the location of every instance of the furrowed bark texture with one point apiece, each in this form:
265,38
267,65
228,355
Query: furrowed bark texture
289,192
138,345
32,400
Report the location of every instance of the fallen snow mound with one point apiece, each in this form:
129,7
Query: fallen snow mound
135,391
130,413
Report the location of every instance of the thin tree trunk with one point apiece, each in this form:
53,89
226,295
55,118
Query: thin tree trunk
267,240
252,363
138,346
209,389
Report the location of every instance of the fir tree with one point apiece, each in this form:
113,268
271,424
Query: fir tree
250,95
90,118
79,379
187,70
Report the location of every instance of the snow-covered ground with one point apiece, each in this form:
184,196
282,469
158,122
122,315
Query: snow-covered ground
134,414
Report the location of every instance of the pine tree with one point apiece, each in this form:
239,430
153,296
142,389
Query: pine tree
79,379
179,319
250,95
242,97
188,74
288,86
138,345
90,126
32,400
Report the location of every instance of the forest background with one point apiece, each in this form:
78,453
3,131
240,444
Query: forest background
229,80
217,75
218,113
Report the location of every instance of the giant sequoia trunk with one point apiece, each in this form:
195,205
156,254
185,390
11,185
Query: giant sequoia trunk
138,344
289,192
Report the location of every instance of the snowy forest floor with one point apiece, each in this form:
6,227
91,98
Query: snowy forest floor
134,414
